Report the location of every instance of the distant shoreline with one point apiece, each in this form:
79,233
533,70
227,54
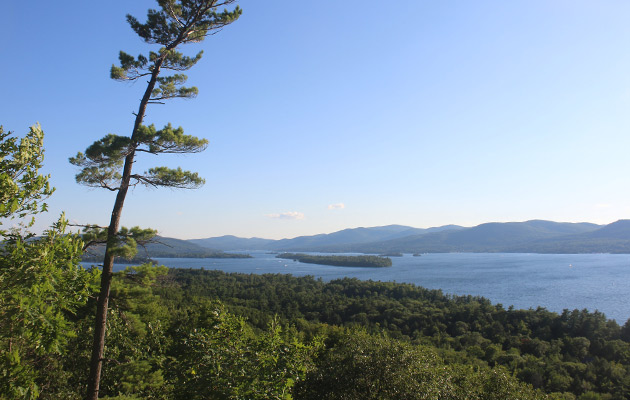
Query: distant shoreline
134,261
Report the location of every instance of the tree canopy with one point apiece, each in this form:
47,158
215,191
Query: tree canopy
22,188
42,284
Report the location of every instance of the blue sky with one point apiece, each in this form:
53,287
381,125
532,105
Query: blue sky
330,115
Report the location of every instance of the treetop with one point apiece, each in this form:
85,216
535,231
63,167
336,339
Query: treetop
184,21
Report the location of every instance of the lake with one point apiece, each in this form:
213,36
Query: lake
554,281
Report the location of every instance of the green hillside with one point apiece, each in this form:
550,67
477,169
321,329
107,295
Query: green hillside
163,247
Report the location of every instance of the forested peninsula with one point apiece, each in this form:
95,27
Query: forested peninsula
339,261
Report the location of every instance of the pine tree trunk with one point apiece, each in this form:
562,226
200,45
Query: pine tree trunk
100,324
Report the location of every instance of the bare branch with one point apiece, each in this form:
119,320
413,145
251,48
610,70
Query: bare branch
174,15
144,180
93,243
88,226
148,151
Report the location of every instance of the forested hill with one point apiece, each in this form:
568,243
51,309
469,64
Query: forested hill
612,238
536,236
167,248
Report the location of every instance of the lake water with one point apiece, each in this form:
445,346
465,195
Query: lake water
554,281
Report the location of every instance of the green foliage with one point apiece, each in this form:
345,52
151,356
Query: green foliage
22,188
169,140
175,60
170,87
129,66
356,365
160,347
341,261
42,286
568,353
124,244
178,22
166,25
136,335
102,163
172,177
110,148
219,356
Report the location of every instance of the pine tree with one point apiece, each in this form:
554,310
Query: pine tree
108,162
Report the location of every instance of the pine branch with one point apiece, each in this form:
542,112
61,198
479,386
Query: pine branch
168,177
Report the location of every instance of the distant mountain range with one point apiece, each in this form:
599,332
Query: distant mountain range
331,242
536,236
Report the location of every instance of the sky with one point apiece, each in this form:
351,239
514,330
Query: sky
329,115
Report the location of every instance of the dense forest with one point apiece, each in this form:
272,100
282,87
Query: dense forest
577,353
195,334
167,339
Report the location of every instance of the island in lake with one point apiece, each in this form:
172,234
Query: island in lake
339,261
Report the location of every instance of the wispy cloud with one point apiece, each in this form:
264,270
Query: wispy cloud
287,215
337,206
603,205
